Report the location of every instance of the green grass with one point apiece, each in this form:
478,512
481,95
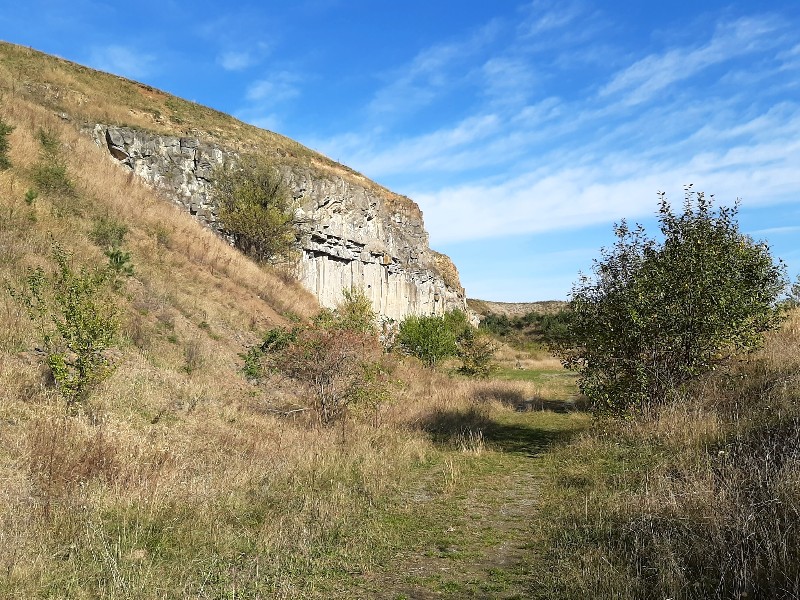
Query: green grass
464,529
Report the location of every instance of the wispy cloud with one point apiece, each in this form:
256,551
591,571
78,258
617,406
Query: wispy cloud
239,60
545,16
526,160
429,74
122,60
265,95
645,78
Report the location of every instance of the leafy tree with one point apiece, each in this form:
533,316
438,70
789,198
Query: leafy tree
5,130
355,312
256,208
432,338
77,321
476,352
659,314
794,293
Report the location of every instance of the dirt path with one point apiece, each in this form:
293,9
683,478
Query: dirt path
467,523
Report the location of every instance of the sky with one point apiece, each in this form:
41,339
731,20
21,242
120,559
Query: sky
524,130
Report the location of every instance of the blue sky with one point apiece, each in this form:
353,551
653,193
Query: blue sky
523,129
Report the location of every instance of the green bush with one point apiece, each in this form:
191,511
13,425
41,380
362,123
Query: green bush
5,130
337,359
257,209
432,338
476,351
77,322
658,314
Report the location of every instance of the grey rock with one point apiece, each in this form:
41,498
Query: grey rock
360,236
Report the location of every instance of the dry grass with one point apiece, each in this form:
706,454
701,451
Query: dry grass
178,478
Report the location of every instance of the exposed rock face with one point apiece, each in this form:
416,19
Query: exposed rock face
361,236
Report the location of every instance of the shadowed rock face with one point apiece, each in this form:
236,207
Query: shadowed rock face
360,234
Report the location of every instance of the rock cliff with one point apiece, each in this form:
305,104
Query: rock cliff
361,235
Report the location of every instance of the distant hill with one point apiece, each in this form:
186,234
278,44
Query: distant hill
514,309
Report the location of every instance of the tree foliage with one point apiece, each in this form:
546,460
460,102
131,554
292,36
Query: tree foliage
476,351
657,314
256,208
77,322
431,338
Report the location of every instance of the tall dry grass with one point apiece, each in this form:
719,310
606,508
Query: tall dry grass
179,478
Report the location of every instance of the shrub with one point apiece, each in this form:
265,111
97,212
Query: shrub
476,352
659,314
432,338
5,131
108,232
256,208
355,312
119,262
50,172
337,359
77,322
338,367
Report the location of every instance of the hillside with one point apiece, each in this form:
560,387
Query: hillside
360,234
514,309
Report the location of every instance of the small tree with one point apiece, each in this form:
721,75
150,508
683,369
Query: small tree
428,338
476,352
659,314
432,338
5,131
77,322
355,312
256,208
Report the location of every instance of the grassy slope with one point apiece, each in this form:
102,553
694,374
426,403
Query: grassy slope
91,96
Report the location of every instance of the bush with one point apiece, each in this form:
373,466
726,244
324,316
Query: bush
659,314
337,359
108,232
77,322
256,208
433,338
476,352
355,312
5,130
50,172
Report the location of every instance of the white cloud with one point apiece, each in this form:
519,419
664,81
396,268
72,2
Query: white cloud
647,77
239,60
273,89
547,16
265,95
431,73
235,61
122,60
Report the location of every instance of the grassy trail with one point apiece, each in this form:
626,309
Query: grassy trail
464,530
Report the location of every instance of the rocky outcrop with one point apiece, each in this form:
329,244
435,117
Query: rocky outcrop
361,235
